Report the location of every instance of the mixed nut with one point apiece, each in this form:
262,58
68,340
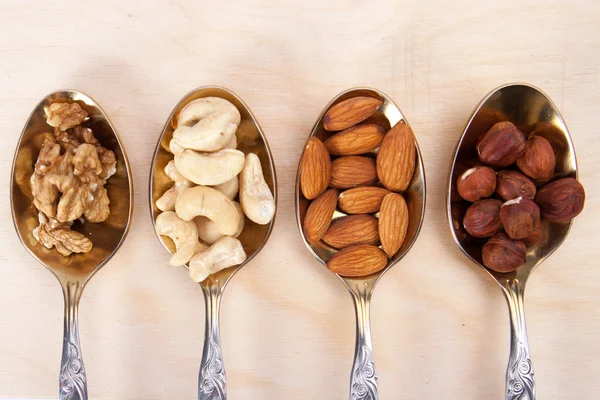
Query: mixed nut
358,170
68,180
509,205
199,212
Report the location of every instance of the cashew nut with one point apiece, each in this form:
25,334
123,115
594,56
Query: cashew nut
174,147
210,203
183,233
167,200
201,108
173,173
232,144
208,231
255,196
229,188
209,168
225,253
206,124
210,134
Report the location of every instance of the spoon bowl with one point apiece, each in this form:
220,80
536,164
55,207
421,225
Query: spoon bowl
251,139
75,271
530,110
363,383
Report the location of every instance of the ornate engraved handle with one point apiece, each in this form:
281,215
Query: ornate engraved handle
520,380
72,380
212,382
363,381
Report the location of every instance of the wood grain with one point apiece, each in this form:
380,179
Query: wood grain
439,324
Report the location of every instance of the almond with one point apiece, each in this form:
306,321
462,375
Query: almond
362,199
318,216
351,171
358,260
350,112
393,223
396,158
316,169
353,229
359,139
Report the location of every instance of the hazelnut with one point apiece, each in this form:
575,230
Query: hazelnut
513,184
476,183
533,238
520,217
502,145
538,160
482,218
561,200
502,254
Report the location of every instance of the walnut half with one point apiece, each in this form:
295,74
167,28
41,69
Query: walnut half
52,233
65,115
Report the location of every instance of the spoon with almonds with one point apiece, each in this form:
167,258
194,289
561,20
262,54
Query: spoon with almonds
360,184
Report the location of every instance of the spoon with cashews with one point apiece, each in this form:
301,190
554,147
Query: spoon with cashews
213,196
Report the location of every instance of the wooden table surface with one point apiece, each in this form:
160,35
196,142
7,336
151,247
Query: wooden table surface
440,325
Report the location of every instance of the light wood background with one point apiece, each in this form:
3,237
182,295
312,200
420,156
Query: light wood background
440,325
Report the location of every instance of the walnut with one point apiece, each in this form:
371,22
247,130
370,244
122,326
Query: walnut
86,162
72,204
107,157
64,115
97,209
108,161
66,141
52,233
45,193
68,180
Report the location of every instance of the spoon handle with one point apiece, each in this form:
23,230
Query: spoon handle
72,380
212,381
520,380
363,381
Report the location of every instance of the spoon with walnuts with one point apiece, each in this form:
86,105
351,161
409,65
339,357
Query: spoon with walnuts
72,201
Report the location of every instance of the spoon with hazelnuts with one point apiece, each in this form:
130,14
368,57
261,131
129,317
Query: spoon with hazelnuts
512,195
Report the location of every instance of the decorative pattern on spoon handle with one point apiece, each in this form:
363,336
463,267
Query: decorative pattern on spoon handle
73,385
212,380
363,385
212,374
520,382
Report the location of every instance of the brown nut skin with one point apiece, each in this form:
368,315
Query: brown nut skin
538,160
561,200
502,254
482,218
476,183
520,217
513,184
318,216
533,238
316,169
502,145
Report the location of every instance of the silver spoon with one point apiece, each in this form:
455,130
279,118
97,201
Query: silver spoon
75,271
363,379
251,139
530,110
